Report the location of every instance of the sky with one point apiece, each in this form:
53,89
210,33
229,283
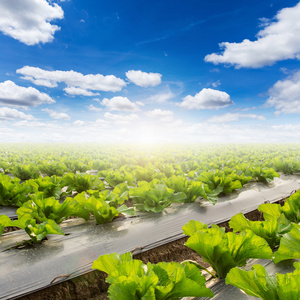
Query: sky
184,71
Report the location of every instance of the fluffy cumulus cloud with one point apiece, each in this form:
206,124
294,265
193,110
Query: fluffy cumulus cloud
285,95
7,113
15,95
278,40
206,99
77,83
120,104
55,115
28,21
144,79
121,119
231,117
162,115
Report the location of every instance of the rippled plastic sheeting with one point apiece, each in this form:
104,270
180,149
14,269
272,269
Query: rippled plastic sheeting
24,271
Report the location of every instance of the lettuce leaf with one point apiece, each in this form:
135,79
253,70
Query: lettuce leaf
259,284
271,230
289,247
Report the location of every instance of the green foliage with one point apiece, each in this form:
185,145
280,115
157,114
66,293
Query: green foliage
131,279
42,209
81,182
116,177
37,232
12,192
102,211
289,247
287,166
291,209
271,230
259,284
262,174
148,173
50,186
224,251
218,182
154,197
53,168
192,189
25,172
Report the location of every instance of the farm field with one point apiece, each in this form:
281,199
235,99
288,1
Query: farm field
104,195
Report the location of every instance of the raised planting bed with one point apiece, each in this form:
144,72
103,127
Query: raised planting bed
58,263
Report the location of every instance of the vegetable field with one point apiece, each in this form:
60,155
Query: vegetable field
102,196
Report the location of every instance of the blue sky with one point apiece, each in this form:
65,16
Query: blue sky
149,71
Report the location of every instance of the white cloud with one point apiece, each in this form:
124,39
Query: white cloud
285,95
161,97
279,40
79,123
7,113
28,21
14,95
79,91
231,117
76,82
121,119
162,115
35,124
140,103
144,79
216,83
93,108
120,104
206,99
55,115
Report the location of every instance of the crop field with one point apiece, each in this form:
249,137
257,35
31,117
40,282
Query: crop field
47,185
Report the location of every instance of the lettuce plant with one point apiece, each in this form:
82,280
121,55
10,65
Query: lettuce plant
154,197
81,182
53,168
50,186
224,251
192,189
42,209
219,183
25,172
291,208
260,284
116,177
263,174
36,232
14,193
131,279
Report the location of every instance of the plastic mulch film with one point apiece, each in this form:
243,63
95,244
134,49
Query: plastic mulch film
23,271
9,211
